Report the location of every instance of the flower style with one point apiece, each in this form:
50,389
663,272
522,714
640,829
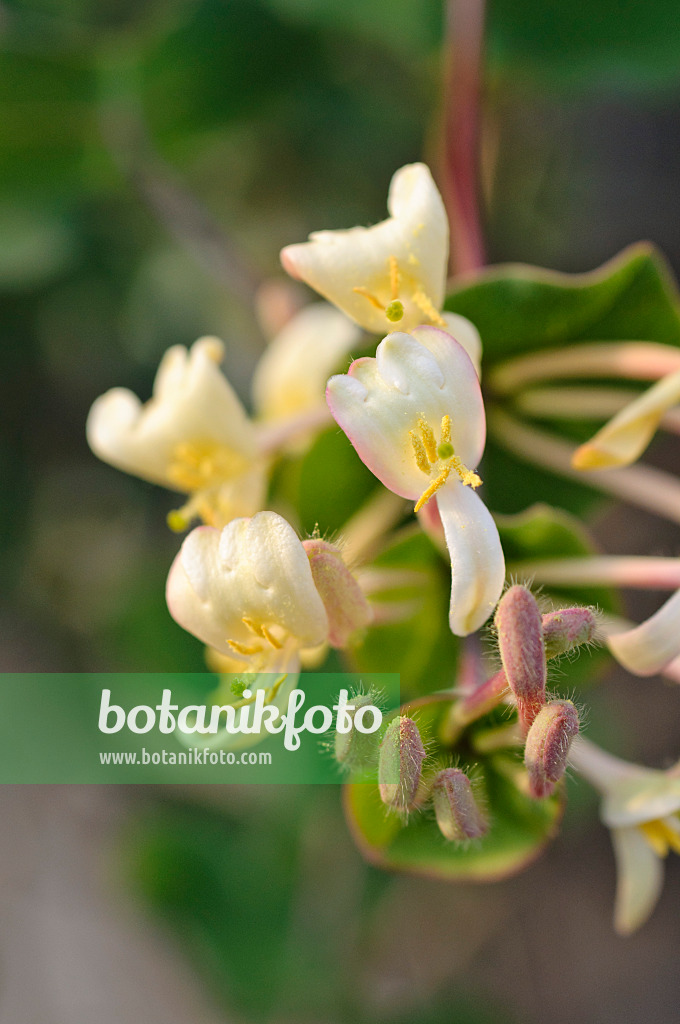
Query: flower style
641,806
393,272
195,436
249,592
415,415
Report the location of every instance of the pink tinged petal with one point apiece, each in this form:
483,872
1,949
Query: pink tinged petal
639,879
647,648
625,437
290,377
477,563
381,400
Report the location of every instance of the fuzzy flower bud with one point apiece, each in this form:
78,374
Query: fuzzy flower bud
547,746
354,749
567,628
400,766
346,607
520,639
458,814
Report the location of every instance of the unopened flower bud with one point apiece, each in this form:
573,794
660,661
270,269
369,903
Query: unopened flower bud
520,639
346,607
458,814
547,746
400,766
355,749
567,628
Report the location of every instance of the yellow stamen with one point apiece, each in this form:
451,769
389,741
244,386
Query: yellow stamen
419,452
195,465
661,836
428,439
433,488
260,630
446,429
246,649
371,298
421,300
270,638
395,277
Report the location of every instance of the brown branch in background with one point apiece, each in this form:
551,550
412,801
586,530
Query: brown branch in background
464,44
179,211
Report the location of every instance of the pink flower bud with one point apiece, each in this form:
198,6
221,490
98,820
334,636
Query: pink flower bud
400,766
567,628
520,639
547,746
346,607
458,814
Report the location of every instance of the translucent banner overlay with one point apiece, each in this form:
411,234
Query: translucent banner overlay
179,728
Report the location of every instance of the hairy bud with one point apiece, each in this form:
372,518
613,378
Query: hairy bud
355,749
346,607
400,766
520,639
458,814
567,628
547,746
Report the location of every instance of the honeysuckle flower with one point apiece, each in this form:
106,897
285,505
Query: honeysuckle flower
649,647
624,438
249,592
641,807
393,272
415,415
194,435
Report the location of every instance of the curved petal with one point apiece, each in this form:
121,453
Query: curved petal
625,437
290,376
466,334
647,648
335,263
477,562
192,402
647,796
639,879
380,401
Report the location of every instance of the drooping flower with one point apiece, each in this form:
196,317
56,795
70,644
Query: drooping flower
249,593
415,415
624,438
194,435
641,807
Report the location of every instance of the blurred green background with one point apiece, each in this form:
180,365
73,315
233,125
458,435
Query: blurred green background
154,157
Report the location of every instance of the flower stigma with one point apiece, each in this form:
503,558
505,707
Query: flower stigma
394,310
439,458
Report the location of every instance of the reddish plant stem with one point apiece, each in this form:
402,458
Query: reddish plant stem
462,90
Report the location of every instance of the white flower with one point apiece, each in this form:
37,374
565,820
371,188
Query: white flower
641,807
648,648
416,418
625,437
195,436
248,592
393,272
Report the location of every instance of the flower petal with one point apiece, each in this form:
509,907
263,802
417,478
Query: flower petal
381,401
477,562
646,797
647,648
335,263
255,570
639,879
466,334
625,437
192,401
290,376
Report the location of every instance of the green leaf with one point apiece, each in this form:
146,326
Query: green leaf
520,826
519,308
618,43
333,483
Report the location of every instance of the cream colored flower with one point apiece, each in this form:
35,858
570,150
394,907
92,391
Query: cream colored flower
415,415
648,648
641,807
391,273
